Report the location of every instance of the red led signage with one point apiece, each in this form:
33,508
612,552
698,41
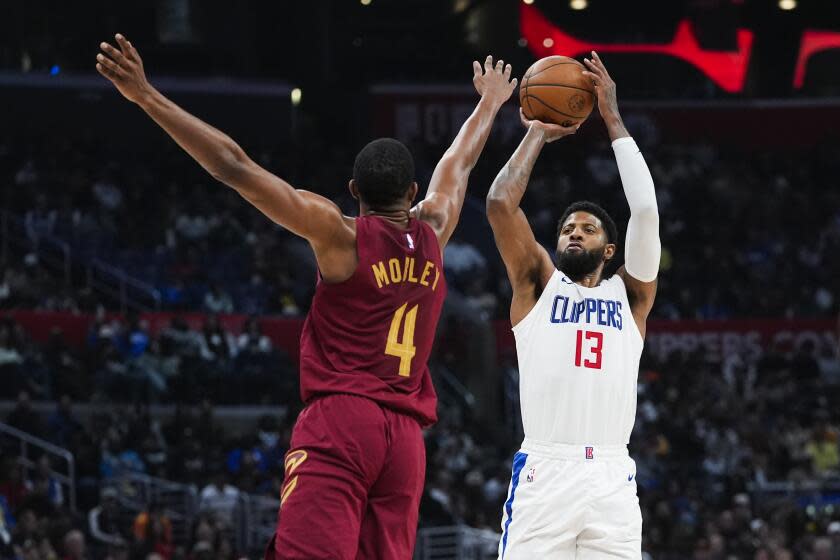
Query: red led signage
813,41
726,69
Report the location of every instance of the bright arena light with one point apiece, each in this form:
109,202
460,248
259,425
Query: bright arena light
578,4
365,2
297,94
787,4
528,1
548,42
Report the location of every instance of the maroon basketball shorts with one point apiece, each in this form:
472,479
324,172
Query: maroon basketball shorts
354,477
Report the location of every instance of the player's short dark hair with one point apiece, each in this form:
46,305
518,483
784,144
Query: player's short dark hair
595,210
383,172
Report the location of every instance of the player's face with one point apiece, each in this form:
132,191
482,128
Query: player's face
582,245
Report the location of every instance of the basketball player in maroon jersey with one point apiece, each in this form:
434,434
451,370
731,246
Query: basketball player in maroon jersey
355,471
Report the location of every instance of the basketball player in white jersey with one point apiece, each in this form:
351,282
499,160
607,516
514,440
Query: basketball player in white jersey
579,338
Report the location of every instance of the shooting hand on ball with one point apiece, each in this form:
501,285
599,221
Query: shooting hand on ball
124,68
550,132
605,91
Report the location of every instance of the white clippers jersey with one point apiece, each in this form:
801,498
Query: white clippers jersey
579,351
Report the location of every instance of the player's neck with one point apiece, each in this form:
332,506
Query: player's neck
590,280
399,216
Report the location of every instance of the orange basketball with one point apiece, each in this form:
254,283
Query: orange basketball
554,90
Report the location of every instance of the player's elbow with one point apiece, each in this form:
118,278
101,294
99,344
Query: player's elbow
497,205
647,213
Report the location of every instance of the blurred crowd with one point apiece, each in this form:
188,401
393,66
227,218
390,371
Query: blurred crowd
745,233
122,359
736,458
190,446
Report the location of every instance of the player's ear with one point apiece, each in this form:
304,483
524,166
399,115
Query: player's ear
609,251
412,191
354,190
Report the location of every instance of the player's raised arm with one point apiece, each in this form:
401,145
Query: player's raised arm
528,265
448,186
642,248
307,214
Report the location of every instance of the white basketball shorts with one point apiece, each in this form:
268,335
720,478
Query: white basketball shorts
571,501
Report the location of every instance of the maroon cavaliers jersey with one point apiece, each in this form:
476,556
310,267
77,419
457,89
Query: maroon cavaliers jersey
372,334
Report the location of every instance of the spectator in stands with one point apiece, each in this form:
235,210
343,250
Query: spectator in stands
823,451
153,533
11,358
12,483
251,341
218,342
217,300
65,371
45,484
62,424
219,497
104,521
74,546
24,418
7,525
5,287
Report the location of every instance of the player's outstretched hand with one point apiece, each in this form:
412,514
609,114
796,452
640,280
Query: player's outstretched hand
124,68
550,132
604,86
493,81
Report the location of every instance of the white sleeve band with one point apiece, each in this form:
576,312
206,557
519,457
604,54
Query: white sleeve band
642,248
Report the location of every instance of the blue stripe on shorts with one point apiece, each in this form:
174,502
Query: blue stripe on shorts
518,464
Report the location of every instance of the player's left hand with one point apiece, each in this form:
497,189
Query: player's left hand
124,68
604,86
493,81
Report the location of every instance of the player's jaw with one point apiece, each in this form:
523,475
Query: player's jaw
576,261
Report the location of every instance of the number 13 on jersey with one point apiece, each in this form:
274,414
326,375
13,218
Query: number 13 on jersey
593,341
405,349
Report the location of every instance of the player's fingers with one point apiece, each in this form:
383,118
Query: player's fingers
476,69
513,84
112,52
102,69
121,43
522,118
488,63
507,72
125,47
591,76
108,63
500,64
592,67
599,63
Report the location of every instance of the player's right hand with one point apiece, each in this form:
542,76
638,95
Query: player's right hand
550,132
493,81
124,68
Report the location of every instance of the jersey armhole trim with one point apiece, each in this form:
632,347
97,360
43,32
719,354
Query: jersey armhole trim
627,299
529,317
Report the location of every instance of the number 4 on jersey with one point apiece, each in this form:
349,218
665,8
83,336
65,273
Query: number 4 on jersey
404,350
595,349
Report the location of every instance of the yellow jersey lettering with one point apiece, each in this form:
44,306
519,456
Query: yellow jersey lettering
437,277
396,271
426,271
405,269
380,273
410,276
